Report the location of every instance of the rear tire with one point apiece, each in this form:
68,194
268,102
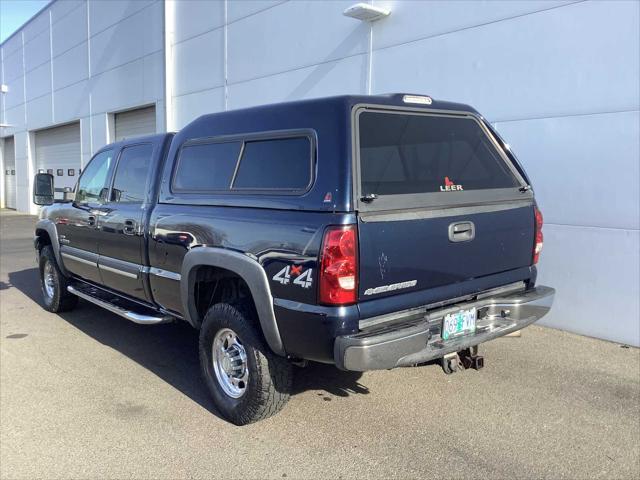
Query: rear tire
54,284
247,381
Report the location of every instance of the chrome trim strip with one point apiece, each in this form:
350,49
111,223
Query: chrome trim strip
158,272
129,315
418,312
70,256
439,212
172,314
118,271
120,265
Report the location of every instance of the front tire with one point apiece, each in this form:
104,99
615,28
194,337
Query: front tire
54,284
247,381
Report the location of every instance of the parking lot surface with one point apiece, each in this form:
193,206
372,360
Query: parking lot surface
87,394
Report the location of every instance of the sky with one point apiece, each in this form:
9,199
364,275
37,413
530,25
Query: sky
14,13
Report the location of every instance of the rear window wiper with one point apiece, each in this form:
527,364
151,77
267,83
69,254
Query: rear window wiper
524,188
369,197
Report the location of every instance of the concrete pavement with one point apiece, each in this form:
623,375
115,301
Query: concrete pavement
87,394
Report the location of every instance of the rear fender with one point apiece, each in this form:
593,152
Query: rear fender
247,269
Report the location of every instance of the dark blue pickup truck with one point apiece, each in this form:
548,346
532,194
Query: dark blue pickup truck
370,232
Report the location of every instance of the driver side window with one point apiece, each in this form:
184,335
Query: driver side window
94,182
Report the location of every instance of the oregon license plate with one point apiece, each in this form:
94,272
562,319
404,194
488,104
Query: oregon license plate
461,322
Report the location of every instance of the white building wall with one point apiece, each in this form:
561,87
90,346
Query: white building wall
559,79
560,82
80,60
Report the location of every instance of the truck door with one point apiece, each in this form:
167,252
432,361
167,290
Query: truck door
121,243
77,223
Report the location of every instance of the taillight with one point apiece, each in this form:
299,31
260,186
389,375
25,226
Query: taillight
537,246
339,266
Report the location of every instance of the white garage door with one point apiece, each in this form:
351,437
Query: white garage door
58,153
135,123
9,155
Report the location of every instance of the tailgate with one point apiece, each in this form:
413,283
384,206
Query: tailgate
401,255
439,202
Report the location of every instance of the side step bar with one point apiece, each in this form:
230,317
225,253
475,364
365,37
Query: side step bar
130,315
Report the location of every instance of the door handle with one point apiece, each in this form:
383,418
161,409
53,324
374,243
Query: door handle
462,232
129,227
91,220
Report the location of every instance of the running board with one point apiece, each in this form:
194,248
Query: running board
130,315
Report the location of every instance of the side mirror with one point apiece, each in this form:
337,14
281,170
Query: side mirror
43,189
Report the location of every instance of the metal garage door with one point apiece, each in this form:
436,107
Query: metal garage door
10,188
58,153
135,123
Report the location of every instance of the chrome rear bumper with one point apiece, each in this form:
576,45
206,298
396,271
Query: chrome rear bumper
408,341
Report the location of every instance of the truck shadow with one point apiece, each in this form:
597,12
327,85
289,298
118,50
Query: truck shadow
170,351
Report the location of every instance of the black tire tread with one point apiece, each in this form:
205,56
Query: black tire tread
62,301
274,373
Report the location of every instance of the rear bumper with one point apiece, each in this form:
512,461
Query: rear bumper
408,340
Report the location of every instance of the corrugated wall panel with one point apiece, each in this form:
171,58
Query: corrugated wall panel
135,123
58,150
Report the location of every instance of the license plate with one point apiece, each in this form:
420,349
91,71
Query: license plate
459,323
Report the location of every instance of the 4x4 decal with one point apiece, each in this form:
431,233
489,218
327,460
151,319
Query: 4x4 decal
303,279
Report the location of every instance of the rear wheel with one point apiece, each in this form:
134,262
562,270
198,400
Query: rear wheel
54,284
247,381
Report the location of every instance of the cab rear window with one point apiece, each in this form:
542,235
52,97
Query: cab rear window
403,153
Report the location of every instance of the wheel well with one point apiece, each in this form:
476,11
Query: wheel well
43,239
217,285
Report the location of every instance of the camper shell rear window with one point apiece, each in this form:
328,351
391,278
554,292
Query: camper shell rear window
428,158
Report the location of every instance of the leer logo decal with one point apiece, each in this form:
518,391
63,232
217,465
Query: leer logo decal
302,279
450,186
